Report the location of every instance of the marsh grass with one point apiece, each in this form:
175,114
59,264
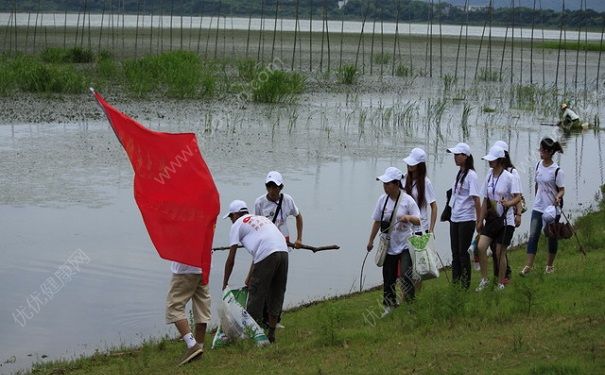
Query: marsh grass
488,75
175,74
347,74
75,55
276,86
403,71
381,58
247,69
524,97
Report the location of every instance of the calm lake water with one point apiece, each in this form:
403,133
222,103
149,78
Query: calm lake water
67,200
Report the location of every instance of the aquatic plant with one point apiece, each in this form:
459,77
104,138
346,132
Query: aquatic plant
403,71
276,86
488,75
347,74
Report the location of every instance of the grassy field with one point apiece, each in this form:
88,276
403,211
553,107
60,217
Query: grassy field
541,324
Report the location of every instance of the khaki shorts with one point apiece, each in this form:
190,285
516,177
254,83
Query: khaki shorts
185,287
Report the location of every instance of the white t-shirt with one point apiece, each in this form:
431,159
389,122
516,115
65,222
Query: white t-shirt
180,268
265,207
547,187
495,188
571,114
401,231
429,197
462,201
258,235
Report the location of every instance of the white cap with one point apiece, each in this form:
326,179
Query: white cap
502,144
235,207
460,148
275,177
391,174
496,152
416,156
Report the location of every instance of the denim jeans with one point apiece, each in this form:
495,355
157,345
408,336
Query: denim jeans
535,230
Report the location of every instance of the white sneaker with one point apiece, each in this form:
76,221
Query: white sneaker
499,287
482,285
279,325
387,311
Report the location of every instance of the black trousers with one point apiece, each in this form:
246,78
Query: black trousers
461,236
402,261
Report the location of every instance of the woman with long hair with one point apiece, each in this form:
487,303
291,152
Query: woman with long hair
549,190
395,201
500,193
419,186
465,206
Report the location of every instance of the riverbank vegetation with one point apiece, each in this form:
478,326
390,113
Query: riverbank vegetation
177,74
540,324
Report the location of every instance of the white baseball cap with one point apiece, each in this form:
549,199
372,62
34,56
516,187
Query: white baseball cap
275,177
502,144
417,155
460,148
496,152
391,174
235,207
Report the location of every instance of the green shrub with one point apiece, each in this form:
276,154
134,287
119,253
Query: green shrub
74,55
247,69
347,74
276,86
403,71
488,75
382,58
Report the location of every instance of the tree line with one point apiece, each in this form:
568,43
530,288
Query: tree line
385,10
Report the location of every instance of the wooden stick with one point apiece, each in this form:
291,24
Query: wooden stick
290,244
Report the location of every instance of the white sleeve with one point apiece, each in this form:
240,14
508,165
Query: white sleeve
378,209
514,185
413,207
257,206
483,192
290,209
234,234
560,180
517,177
429,193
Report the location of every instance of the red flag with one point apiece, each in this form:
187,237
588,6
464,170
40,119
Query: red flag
173,188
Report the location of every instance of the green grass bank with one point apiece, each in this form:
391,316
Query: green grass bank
540,324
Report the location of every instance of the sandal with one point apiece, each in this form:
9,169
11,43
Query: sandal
525,270
549,269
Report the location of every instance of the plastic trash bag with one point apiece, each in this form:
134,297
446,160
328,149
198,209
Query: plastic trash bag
422,250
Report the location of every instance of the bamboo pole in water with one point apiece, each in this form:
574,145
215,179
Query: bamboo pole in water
136,32
459,44
123,29
440,41
480,48
35,26
363,24
543,48
310,35
171,14
503,52
382,43
295,36
598,79
578,49
260,35
83,23
199,32
396,41
323,26
564,57
248,33
531,45
208,34
521,66
151,32
585,58
189,32
274,29
101,29
77,29
15,22
512,44
465,45
372,45
29,14
218,25
342,27
488,62
181,25
161,39
327,36
65,29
